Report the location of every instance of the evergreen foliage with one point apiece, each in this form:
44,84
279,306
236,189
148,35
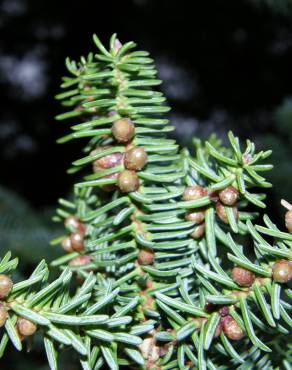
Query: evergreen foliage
173,271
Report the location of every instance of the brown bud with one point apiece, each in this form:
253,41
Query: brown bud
128,181
3,315
242,277
135,159
25,327
6,285
198,231
221,212
77,240
282,271
288,221
228,196
108,161
67,245
231,329
123,130
72,222
197,217
146,257
194,192
80,261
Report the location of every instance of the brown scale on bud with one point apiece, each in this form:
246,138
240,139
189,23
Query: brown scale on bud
198,232
242,277
123,130
135,159
231,329
197,217
128,181
6,285
288,221
228,196
194,192
108,161
282,271
3,315
77,241
67,245
221,212
146,257
80,261
25,327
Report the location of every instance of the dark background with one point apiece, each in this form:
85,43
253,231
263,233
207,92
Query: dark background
225,65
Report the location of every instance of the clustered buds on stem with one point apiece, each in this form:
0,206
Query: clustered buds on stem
74,242
25,327
282,271
226,197
242,277
134,158
6,285
198,215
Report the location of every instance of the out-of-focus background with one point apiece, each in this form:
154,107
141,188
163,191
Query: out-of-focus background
225,65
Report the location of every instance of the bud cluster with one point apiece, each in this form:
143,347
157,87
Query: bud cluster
134,158
75,241
227,197
198,215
